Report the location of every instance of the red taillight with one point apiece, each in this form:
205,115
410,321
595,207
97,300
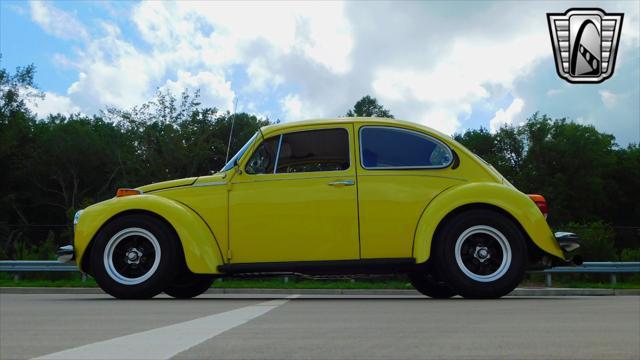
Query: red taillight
540,201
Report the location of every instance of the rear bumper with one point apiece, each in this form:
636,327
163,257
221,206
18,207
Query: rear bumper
65,254
569,243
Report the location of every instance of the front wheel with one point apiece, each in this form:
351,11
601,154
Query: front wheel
481,254
135,257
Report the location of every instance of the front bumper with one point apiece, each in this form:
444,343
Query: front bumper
569,243
65,254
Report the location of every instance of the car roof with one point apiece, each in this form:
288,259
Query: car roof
266,130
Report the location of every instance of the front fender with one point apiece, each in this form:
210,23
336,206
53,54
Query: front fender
504,197
200,247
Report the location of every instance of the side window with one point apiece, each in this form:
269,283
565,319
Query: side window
263,160
387,147
315,150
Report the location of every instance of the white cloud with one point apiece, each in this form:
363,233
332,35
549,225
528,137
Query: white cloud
608,98
262,78
292,107
214,89
506,117
295,108
114,73
317,30
462,76
53,104
441,119
57,22
446,66
198,44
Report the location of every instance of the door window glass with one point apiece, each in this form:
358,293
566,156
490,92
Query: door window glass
314,150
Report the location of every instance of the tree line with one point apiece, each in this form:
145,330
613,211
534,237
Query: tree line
50,167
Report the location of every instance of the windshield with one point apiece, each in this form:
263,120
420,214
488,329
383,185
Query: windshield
239,154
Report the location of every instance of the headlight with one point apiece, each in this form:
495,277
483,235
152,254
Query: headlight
76,217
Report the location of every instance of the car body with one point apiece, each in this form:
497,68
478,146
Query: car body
347,195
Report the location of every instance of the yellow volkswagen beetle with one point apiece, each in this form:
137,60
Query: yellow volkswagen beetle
338,196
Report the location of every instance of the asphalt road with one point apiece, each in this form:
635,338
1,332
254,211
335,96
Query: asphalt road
68,326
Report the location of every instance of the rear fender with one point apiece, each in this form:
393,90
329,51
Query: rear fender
506,198
201,250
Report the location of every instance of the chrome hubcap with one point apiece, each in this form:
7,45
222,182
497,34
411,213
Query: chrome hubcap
483,253
132,256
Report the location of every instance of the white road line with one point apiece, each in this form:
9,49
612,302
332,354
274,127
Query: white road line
165,342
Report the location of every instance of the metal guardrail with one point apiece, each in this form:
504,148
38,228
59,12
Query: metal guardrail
19,266
612,268
607,267
36,265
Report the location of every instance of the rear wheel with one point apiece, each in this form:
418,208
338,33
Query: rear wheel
427,284
481,254
135,257
189,285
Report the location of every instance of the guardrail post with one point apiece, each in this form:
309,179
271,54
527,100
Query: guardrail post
84,277
16,277
614,280
547,279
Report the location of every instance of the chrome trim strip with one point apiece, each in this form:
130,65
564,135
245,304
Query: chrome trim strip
420,134
258,179
212,183
418,175
275,166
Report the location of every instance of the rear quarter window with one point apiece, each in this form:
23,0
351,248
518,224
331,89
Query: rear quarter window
395,148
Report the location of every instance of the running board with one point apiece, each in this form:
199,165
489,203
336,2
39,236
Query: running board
331,267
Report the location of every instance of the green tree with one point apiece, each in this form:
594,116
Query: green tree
54,166
574,166
76,161
16,121
177,137
369,107
16,90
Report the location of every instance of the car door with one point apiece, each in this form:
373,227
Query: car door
296,198
399,172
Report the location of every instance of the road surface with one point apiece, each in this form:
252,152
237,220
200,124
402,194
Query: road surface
223,326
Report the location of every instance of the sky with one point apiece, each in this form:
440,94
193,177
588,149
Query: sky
449,65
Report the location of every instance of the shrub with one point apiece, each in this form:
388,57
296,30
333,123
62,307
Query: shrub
630,255
597,240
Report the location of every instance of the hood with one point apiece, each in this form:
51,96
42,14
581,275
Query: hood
168,184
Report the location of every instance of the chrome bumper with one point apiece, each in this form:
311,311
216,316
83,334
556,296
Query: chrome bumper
569,242
65,253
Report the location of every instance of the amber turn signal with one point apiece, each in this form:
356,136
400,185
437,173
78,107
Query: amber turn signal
127,192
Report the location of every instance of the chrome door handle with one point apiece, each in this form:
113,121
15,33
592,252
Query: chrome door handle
341,183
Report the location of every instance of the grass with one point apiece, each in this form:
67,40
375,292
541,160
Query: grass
7,280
